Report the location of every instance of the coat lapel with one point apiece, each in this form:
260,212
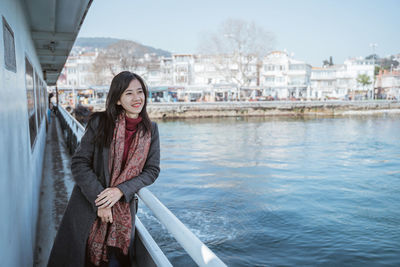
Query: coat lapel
105,164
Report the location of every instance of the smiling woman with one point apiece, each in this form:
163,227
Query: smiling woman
118,155
132,99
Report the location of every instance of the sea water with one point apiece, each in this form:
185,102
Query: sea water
283,191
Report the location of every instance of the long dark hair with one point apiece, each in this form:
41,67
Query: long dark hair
107,118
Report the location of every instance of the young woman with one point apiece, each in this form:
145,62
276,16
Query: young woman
118,155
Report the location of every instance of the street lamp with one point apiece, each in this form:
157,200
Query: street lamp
373,46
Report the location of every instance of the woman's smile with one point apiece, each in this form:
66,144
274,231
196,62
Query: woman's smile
137,104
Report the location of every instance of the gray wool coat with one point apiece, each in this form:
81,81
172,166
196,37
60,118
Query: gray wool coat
90,172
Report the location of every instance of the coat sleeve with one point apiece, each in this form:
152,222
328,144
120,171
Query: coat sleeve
150,170
82,167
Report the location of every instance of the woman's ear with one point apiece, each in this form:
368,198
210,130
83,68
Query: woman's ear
119,103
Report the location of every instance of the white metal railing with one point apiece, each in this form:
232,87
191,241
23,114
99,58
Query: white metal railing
151,246
199,252
73,124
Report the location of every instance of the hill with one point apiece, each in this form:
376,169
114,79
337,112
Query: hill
90,43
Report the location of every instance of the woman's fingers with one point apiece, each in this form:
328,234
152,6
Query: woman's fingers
108,197
104,192
102,201
101,196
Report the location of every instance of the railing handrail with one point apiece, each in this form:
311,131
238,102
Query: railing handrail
196,249
154,250
75,125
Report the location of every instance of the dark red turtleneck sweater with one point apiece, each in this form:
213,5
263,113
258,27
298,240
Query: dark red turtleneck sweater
131,126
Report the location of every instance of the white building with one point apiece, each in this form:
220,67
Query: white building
166,68
283,77
77,72
323,82
182,66
388,85
278,76
354,68
341,81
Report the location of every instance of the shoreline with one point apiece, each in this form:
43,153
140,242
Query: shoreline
181,110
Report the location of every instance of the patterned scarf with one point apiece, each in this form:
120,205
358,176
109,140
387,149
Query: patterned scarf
118,233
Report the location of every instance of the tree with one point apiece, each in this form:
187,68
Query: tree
384,63
389,63
364,80
119,56
237,49
328,63
372,56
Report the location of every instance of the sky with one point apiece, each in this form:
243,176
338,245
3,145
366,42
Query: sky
310,30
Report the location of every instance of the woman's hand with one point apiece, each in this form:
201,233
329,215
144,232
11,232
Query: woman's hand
105,215
108,197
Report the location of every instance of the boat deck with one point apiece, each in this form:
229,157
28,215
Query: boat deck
55,191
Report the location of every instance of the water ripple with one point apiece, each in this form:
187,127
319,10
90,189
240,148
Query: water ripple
283,191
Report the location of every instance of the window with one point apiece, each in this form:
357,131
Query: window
269,79
37,102
270,67
9,48
43,102
30,93
280,79
297,67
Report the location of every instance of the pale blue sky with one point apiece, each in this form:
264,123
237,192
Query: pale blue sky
313,30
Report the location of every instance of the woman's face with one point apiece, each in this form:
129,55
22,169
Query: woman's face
132,99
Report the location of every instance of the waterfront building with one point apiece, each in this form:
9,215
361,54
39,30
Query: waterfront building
77,71
207,70
282,77
354,68
323,82
388,85
166,68
225,77
213,73
341,81
182,65
149,67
